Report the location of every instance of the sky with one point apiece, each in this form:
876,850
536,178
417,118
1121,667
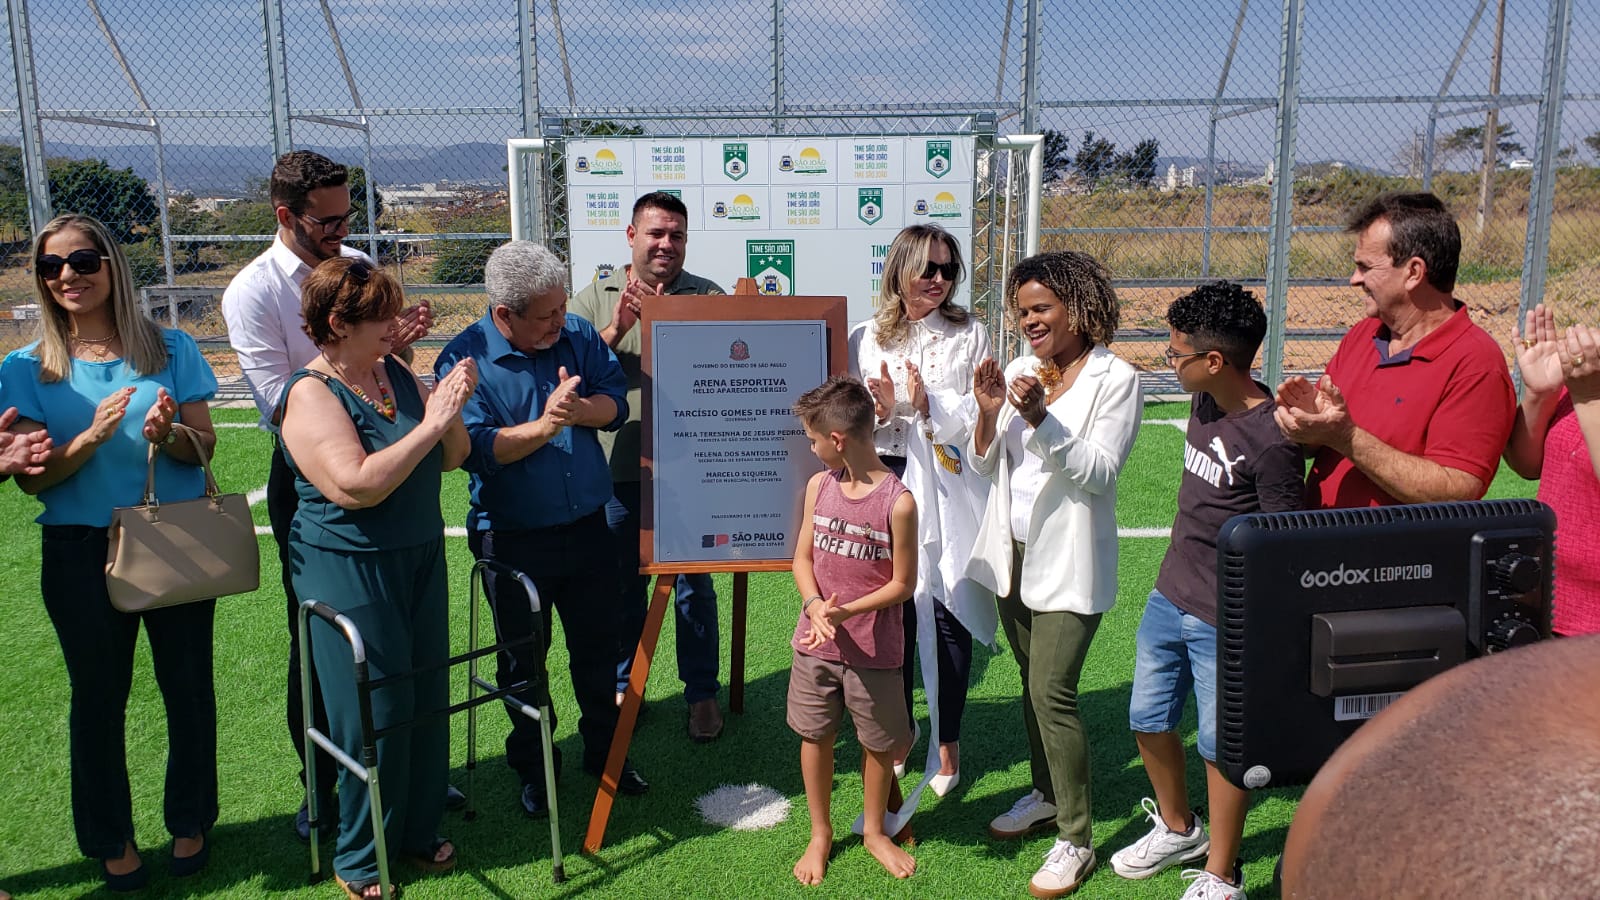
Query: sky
681,57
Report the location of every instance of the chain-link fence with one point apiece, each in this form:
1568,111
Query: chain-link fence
1167,128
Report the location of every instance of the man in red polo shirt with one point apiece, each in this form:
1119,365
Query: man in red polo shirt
1416,404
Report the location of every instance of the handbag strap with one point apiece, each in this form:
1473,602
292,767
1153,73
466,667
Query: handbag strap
193,437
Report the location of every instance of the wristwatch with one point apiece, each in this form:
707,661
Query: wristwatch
171,438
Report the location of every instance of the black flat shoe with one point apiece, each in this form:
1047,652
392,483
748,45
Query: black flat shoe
629,782
534,801
184,866
453,798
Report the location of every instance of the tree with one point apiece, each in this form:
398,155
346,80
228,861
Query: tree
1593,143
604,128
1138,166
13,192
185,217
1468,141
1095,157
1057,157
358,201
117,197
246,217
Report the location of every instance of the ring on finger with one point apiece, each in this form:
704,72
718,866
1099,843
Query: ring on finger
1577,360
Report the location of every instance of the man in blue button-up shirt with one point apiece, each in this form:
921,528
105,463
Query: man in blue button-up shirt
539,478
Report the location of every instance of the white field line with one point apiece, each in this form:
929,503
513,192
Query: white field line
260,494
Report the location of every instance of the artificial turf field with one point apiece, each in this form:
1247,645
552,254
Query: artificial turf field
657,845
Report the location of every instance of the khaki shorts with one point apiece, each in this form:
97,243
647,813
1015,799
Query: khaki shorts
821,690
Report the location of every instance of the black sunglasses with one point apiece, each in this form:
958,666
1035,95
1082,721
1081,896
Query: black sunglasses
328,224
358,271
84,262
949,270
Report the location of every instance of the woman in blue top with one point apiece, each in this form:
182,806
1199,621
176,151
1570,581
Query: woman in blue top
107,382
367,443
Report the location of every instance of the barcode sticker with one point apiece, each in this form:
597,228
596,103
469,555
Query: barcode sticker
1362,706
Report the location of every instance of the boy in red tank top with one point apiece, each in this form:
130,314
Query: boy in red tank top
855,559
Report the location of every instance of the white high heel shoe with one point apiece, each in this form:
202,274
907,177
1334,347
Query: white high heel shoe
944,784
916,735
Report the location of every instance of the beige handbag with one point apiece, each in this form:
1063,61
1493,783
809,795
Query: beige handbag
163,554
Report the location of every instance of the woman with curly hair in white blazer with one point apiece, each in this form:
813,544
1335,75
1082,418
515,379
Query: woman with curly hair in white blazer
1053,433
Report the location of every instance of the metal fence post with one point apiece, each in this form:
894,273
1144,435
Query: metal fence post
33,171
277,77
1030,69
777,66
1283,191
1542,191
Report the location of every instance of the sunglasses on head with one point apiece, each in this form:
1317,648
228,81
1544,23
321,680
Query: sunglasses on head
84,262
949,270
358,272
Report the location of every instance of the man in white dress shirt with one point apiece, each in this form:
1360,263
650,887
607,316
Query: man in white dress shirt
311,199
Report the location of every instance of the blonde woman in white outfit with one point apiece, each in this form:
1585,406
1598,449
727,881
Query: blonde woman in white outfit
918,356
1053,433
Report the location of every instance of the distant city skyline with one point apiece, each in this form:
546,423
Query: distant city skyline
423,55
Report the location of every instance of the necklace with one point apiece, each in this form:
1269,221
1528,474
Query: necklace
385,402
1051,375
95,349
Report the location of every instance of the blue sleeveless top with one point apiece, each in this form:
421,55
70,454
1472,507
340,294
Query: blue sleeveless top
407,517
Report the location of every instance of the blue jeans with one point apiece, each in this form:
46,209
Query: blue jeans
696,604
1176,652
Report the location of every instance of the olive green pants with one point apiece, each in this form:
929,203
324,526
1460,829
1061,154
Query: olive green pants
1050,648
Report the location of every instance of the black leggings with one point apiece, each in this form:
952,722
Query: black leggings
954,653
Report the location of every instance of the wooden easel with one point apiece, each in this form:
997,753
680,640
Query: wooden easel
828,309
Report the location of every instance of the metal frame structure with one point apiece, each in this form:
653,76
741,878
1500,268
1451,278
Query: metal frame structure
549,118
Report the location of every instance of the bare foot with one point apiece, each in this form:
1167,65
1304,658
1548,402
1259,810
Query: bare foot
899,863
949,758
813,863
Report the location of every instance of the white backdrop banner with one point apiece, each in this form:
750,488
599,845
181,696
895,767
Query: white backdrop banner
802,216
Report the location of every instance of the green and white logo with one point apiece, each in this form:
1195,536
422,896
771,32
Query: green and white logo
938,158
869,205
736,160
673,191
771,264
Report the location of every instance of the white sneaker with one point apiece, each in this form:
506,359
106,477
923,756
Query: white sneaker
1207,886
1026,816
1065,867
1161,847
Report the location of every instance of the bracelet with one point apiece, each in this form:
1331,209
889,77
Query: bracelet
809,600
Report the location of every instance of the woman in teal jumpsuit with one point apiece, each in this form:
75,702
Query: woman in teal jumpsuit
367,443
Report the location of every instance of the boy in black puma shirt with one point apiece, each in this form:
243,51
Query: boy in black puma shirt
1235,460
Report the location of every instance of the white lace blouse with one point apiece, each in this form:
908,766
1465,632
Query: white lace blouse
946,354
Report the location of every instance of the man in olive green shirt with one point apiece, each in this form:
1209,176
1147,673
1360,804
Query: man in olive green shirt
657,236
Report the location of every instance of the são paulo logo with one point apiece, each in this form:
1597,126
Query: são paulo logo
604,163
943,206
